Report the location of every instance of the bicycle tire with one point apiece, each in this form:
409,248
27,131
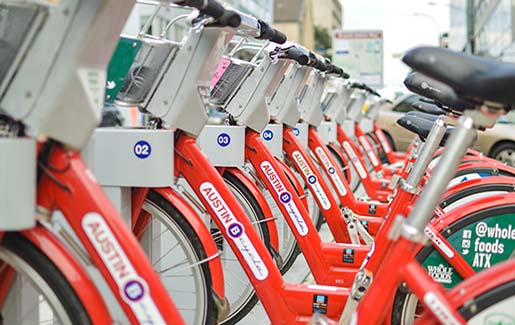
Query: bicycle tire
405,303
46,270
182,226
256,216
484,301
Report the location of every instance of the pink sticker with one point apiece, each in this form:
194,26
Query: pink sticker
222,66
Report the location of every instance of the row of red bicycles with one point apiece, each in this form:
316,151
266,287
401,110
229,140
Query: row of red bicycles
250,144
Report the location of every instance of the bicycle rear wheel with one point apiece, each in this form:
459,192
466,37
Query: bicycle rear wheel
407,307
46,295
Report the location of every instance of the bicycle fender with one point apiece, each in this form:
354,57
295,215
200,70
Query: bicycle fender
74,273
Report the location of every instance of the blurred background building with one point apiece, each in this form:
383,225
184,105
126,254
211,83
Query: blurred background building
295,19
483,27
309,22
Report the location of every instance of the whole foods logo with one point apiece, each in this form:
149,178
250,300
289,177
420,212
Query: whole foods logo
440,273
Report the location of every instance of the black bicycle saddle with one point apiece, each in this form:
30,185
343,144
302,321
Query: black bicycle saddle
471,77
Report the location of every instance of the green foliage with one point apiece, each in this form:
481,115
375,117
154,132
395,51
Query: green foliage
323,39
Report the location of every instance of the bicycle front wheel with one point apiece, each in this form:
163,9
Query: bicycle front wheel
38,293
179,258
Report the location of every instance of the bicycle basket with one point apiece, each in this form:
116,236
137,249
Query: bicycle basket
18,26
152,60
231,78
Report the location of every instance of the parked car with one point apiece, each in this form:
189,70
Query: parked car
497,142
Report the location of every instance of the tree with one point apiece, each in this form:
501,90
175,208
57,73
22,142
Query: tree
323,40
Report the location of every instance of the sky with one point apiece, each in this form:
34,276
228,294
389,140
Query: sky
405,23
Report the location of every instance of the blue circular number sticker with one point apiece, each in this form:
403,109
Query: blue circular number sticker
268,135
142,149
296,131
223,140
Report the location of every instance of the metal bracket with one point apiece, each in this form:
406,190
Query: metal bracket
409,188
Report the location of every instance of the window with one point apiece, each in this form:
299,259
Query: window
406,105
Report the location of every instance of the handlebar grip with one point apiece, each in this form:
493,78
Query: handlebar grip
279,37
321,64
298,55
339,71
271,34
230,18
213,9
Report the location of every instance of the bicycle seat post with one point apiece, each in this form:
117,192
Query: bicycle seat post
426,155
460,140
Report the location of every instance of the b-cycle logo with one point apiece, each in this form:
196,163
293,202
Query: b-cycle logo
384,141
235,230
368,149
285,198
352,155
268,135
331,170
312,180
133,288
296,131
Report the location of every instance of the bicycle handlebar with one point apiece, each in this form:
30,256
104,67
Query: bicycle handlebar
230,18
298,54
269,33
208,7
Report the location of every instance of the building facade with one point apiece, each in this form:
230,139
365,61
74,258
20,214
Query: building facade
485,27
295,19
328,14
262,9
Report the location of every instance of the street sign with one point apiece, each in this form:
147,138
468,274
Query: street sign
360,53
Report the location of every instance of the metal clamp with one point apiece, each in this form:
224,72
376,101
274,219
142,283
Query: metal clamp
409,188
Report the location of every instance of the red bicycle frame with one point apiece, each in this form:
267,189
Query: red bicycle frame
377,189
283,302
66,184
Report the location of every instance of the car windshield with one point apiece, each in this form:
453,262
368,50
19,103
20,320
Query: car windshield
508,118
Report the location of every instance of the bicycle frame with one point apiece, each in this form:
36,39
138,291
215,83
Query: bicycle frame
377,189
340,184
282,301
67,185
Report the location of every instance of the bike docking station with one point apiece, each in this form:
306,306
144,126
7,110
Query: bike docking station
163,79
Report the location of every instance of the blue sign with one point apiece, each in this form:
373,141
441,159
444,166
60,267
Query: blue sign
296,131
268,135
142,149
223,140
